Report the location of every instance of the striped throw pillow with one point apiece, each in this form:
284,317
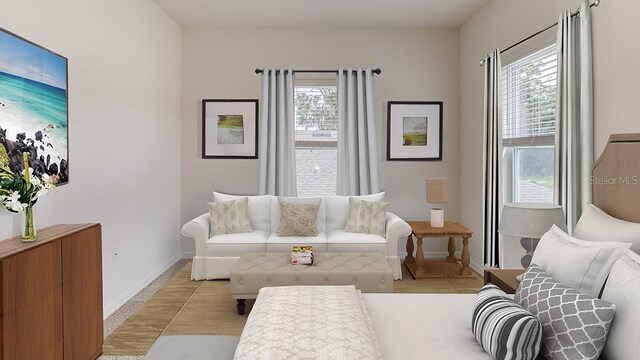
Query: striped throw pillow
504,329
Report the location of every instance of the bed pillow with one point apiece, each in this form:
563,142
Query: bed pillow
574,325
504,329
367,217
582,265
597,225
298,219
229,217
623,289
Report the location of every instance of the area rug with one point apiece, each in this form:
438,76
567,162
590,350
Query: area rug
185,307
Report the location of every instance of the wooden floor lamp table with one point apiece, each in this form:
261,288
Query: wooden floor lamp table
449,267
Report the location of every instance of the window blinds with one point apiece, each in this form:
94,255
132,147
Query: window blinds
529,99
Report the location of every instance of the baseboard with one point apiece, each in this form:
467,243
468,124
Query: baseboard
477,268
188,254
117,303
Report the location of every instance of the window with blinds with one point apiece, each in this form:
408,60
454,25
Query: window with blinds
529,123
529,99
316,116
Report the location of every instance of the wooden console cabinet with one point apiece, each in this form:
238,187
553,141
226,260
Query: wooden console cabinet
51,294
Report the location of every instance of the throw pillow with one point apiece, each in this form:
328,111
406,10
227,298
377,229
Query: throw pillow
504,329
582,265
623,289
597,225
367,217
229,217
298,219
574,325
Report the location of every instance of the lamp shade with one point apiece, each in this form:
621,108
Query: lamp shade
530,220
437,190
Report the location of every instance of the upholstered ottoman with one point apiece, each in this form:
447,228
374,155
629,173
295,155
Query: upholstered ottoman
368,272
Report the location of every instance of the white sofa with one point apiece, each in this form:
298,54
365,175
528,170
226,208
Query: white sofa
216,256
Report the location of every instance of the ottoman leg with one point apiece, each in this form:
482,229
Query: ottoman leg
240,306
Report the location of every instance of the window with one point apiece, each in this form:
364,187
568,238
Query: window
316,113
529,119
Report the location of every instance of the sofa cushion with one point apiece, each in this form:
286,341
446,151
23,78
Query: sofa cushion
298,219
338,208
367,217
228,217
277,243
275,210
259,209
340,241
237,244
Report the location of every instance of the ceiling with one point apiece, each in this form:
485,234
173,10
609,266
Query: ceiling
322,13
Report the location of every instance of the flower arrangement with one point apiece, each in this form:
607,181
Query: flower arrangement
20,193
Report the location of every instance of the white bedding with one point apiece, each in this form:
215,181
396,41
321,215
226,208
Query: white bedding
424,326
308,322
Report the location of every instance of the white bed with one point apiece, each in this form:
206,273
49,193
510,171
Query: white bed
424,326
438,326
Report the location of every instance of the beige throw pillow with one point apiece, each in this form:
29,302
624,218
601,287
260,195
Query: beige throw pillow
367,217
298,219
229,217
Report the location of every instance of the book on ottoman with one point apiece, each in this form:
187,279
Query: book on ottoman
302,255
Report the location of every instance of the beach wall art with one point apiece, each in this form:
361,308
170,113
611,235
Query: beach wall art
33,108
229,129
414,130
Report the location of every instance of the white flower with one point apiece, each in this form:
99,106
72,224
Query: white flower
12,202
42,192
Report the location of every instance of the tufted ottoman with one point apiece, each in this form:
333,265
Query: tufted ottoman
368,272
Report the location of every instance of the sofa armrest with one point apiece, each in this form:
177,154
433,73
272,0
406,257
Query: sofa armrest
396,229
198,230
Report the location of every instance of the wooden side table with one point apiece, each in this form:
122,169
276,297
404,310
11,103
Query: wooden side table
449,267
503,278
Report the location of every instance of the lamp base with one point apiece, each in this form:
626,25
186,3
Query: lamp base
529,246
437,218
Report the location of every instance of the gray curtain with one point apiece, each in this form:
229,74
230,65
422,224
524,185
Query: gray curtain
574,113
492,158
357,141
277,134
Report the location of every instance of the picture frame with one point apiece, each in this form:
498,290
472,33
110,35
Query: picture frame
414,130
34,108
230,128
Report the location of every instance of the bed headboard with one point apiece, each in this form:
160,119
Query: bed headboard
616,178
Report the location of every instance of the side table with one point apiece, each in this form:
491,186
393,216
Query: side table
449,267
505,279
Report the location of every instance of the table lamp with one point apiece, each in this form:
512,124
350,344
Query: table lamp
437,194
529,221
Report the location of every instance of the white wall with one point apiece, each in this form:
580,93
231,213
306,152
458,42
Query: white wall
417,64
124,125
501,23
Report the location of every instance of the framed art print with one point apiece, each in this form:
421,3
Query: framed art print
229,129
414,130
33,108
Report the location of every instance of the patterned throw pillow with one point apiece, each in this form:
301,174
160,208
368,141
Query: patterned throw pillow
367,217
229,217
504,329
298,219
574,325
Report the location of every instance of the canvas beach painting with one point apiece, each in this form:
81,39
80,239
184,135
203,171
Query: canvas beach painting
33,108
414,131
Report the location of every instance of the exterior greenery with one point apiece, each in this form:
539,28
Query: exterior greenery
317,108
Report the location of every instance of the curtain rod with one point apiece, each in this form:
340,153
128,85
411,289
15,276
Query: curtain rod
595,3
376,71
